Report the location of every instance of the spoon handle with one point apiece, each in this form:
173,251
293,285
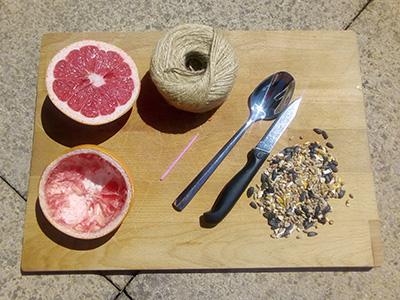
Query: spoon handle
184,198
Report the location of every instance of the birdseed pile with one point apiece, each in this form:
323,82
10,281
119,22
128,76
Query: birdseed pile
296,188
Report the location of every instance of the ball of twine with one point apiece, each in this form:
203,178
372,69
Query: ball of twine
194,67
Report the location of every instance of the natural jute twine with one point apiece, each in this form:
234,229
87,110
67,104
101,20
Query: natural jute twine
194,67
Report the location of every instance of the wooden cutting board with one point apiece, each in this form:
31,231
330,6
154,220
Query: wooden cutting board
326,67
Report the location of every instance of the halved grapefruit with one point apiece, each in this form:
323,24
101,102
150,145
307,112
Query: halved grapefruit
86,192
92,82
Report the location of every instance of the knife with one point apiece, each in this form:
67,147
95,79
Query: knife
256,157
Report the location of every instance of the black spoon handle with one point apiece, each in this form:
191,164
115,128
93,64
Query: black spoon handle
235,187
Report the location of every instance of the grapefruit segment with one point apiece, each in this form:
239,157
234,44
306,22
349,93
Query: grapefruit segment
66,89
65,70
86,192
91,105
92,82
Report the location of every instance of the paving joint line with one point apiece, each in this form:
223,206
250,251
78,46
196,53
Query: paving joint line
123,289
110,281
13,188
126,294
358,14
128,283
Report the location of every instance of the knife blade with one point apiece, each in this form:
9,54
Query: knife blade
256,157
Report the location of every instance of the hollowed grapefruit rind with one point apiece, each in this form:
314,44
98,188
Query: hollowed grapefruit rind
112,162
77,115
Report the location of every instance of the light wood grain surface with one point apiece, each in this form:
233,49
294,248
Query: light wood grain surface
154,236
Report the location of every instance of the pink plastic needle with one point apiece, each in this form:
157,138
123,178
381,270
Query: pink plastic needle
179,157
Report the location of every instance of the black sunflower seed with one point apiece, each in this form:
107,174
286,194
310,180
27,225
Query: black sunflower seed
333,168
313,146
274,175
250,192
302,196
307,224
329,145
326,209
328,177
288,230
317,130
253,204
274,223
341,194
317,211
287,150
264,178
298,212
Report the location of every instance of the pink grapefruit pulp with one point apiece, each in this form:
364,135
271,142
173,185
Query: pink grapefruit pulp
92,82
86,192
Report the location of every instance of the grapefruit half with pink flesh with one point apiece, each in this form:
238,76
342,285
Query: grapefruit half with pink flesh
92,82
86,192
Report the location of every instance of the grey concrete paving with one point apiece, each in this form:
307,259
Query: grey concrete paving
22,24
15,285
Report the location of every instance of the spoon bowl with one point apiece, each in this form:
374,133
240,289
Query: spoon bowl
266,102
271,96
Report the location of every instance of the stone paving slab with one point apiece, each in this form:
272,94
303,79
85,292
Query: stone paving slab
15,285
259,285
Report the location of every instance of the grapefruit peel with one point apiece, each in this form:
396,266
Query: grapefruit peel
86,192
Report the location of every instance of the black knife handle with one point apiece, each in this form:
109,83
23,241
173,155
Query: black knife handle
235,187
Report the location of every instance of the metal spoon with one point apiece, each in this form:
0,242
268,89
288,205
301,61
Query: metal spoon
266,102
